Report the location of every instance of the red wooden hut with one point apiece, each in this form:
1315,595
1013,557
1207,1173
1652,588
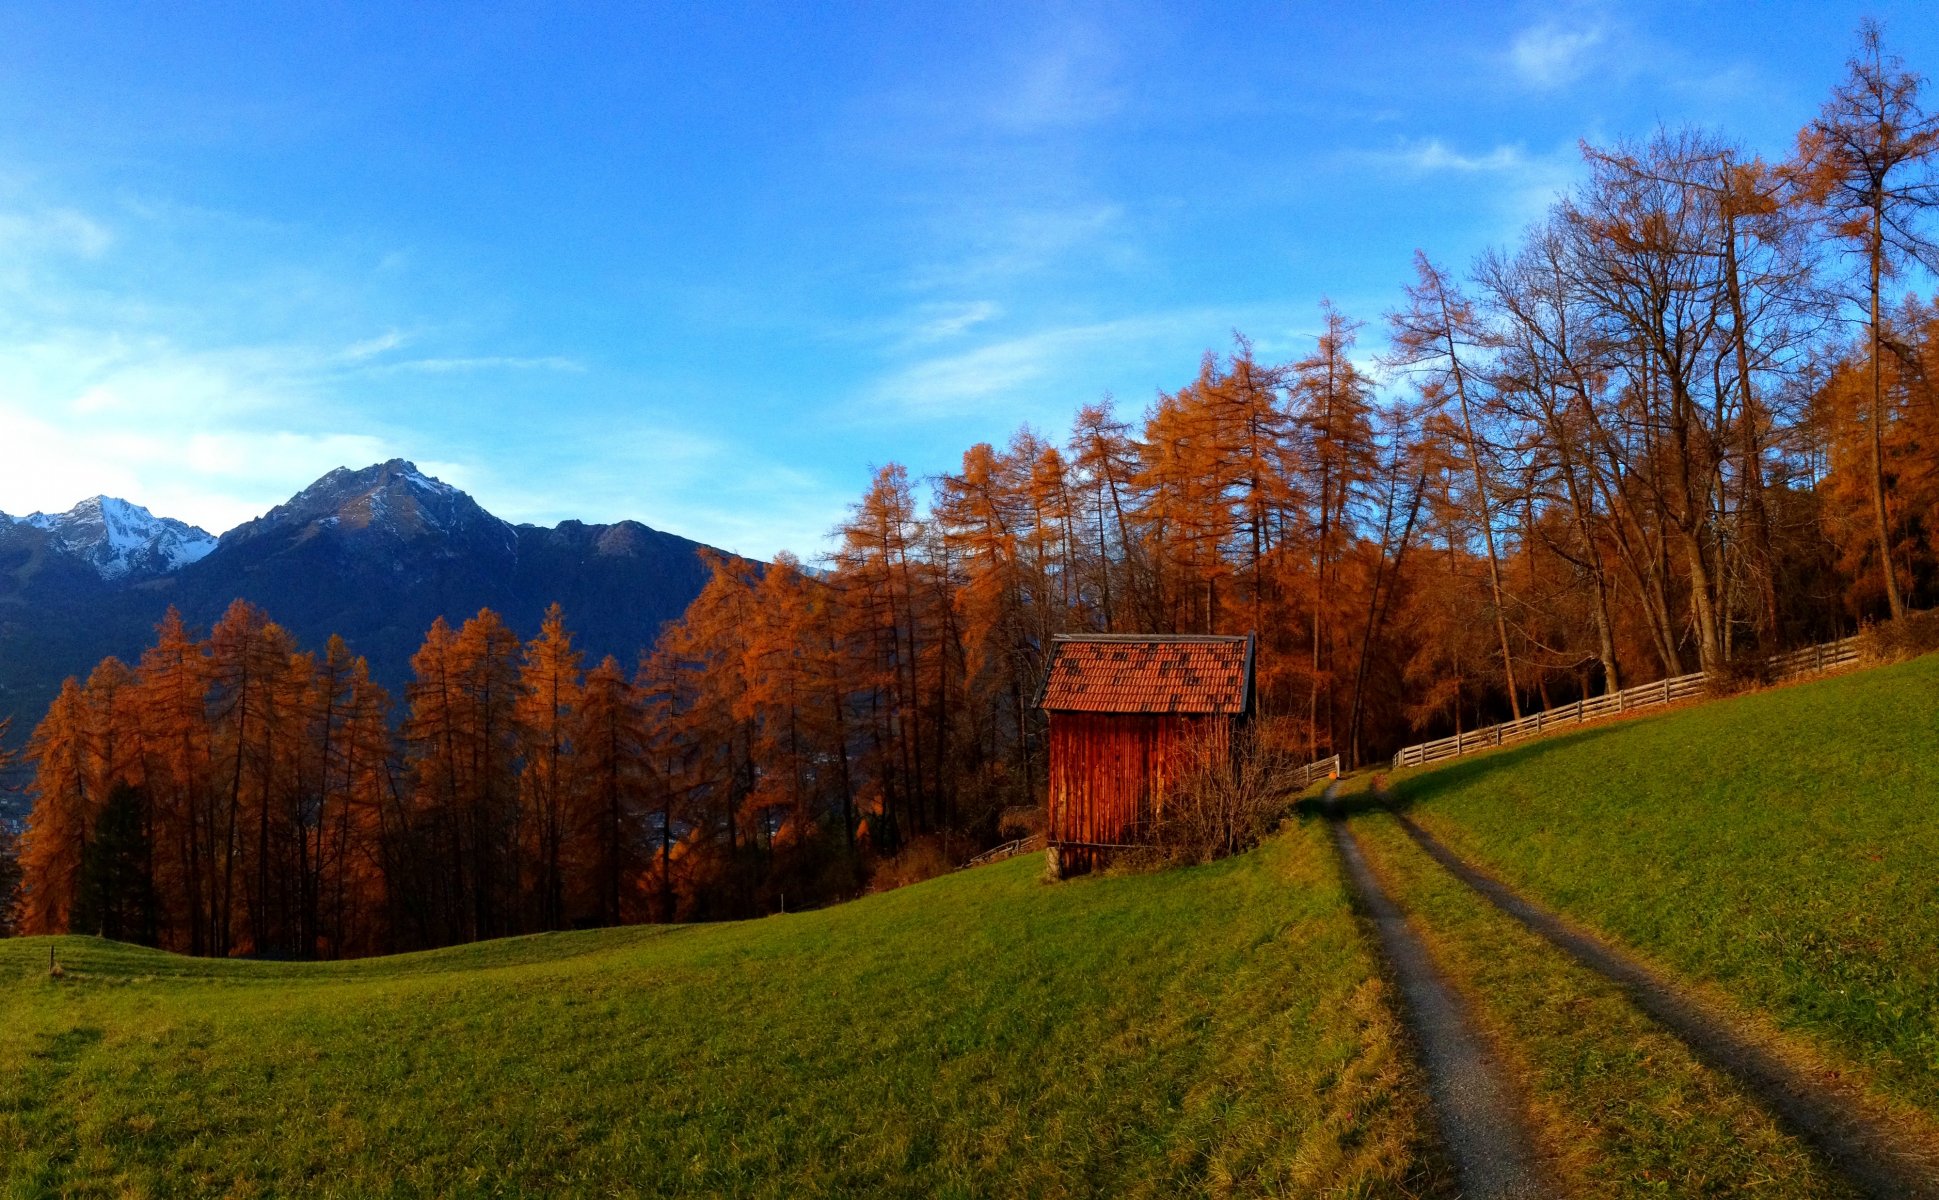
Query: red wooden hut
1126,713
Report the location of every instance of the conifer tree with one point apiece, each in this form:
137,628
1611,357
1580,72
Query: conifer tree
549,785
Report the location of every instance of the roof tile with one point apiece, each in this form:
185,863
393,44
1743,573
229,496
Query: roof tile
1148,675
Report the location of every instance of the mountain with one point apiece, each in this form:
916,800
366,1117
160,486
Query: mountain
113,538
375,555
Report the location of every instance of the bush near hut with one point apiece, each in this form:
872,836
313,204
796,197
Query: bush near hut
1222,803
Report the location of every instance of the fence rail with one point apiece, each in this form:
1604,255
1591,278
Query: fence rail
1809,661
1022,845
1326,768
1813,659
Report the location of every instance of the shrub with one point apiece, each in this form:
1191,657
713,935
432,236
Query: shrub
921,858
1908,637
1021,821
1221,803
9,876
1741,674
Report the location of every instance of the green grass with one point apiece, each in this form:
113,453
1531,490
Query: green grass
1781,846
1622,1107
1219,1031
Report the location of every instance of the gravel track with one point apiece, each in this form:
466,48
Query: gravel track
1834,1119
1475,1107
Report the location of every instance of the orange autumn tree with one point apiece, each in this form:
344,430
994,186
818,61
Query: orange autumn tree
178,772
550,791
619,778
62,819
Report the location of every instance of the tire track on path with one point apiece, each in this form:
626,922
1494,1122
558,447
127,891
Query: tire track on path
1479,1116
1834,1119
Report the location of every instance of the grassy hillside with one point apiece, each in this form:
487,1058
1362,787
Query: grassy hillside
1623,1107
1780,845
1219,1030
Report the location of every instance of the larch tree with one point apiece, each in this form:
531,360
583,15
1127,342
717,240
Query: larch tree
1333,406
178,774
60,825
550,688
1868,161
1437,333
609,740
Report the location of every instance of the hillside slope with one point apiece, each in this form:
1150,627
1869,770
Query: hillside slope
1218,1030
1779,846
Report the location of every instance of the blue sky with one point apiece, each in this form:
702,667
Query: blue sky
706,265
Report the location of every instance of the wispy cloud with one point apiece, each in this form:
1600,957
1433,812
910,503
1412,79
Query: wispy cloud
53,230
1428,155
991,244
1553,54
1019,376
1067,78
1509,179
215,479
654,470
373,347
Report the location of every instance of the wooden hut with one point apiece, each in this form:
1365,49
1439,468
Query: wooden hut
1127,712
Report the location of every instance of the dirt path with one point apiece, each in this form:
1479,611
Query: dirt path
1480,1120
1833,1118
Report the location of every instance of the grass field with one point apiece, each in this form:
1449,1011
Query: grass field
1217,1031
1781,846
1621,1106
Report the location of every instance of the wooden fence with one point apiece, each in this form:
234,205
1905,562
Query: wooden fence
1022,845
1326,768
1813,659
1808,661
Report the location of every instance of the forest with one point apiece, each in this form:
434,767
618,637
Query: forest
1689,419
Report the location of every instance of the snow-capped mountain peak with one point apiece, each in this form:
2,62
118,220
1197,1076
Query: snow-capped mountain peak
119,539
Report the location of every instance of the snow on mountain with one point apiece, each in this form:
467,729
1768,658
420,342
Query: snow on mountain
120,540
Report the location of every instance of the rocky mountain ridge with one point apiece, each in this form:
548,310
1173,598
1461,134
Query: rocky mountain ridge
374,554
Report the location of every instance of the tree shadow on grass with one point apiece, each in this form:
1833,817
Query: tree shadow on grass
1423,785
1452,776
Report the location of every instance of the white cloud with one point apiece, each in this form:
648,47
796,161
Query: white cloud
1519,185
210,436
53,230
942,322
373,347
1433,154
1041,370
213,479
1550,55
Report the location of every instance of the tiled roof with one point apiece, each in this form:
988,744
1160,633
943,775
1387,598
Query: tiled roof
1131,674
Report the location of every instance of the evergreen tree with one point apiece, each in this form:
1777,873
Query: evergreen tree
115,897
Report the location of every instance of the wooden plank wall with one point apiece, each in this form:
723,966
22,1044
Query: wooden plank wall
1108,771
